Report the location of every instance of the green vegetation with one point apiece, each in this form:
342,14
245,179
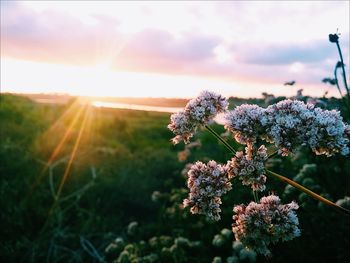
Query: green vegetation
121,199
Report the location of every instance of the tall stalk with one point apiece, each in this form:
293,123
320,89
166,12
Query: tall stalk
334,38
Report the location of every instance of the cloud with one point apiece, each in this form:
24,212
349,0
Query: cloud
286,53
55,36
162,44
52,36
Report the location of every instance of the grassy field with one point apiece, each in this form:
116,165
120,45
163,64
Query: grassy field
85,184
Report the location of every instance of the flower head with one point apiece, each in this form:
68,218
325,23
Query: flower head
246,122
198,111
331,134
205,107
258,225
182,127
250,168
290,124
207,183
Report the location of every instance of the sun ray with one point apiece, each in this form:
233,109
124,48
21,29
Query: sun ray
74,106
56,151
58,148
87,109
74,151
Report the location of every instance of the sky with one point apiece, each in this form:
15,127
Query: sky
171,49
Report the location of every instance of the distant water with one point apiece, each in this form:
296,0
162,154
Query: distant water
116,105
101,104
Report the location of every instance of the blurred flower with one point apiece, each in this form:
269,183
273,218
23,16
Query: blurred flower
111,247
218,241
183,155
217,260
207,183
260,224
232,259
247,255
151,258
237,246
132,228
226,233
345,202
156,195
123,257
182,242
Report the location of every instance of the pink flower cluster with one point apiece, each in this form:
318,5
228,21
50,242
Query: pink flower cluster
258,225
249,168
207,183
198,111
290,124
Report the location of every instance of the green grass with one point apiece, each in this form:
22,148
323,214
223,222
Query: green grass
132,156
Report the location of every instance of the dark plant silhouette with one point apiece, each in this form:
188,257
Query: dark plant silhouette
289,83
330,81
334,38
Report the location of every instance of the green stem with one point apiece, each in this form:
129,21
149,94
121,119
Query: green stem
256,198
221,139
336,80
308,192
273,154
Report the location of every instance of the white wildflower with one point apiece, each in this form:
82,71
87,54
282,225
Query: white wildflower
246,122
198,111
250,168
182,127
290,124
260,224
207,183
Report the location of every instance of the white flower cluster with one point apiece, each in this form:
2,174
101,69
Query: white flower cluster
198,111
289,124
294,123
250,168
258,225
245,121
207,183
332,134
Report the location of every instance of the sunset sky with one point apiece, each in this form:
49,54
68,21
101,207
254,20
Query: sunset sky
170,49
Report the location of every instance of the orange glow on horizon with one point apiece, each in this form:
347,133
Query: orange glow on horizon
102,81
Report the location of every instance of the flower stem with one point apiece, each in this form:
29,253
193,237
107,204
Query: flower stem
308,192
221,139
343,69
256,198
345,102
273,154
336,80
